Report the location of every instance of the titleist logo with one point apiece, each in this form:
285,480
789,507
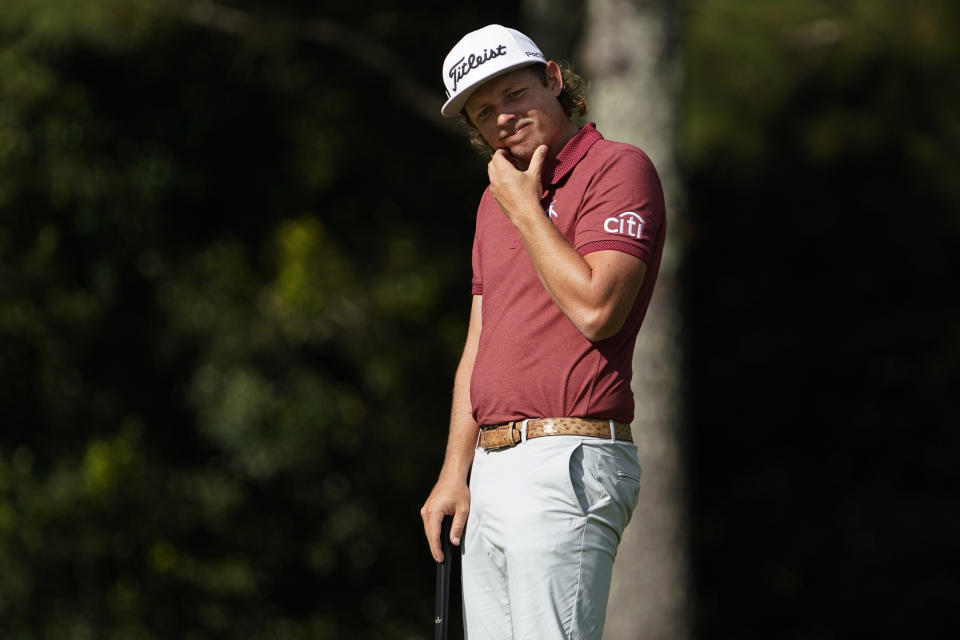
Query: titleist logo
465,65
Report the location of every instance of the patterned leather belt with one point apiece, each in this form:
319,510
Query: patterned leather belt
509,434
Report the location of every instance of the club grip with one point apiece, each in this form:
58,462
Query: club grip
442,606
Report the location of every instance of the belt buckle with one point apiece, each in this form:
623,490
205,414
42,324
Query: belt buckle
483,439
520,436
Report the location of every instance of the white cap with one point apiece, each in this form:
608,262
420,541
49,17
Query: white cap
481,55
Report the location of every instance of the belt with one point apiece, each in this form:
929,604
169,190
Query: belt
509,434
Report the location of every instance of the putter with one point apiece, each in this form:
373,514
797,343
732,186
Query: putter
442,605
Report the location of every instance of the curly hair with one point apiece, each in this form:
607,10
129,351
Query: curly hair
572,98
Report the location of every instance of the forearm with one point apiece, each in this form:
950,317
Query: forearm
595,300
595,292
462,438
564,273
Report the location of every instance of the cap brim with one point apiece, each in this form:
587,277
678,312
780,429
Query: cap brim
454,105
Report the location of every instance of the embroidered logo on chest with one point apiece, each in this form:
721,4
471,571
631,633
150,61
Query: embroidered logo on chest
628,224
552,212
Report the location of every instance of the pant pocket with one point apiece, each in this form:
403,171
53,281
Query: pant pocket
611,484
583,482
630,486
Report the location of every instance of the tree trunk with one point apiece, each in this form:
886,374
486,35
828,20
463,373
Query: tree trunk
629,53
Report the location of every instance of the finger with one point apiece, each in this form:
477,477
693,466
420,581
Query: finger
536,162
457,526
497,160
431,527
497,157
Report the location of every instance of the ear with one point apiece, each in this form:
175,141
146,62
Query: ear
554,78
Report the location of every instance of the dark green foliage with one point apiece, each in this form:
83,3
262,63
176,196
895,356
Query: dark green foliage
234,280
821,146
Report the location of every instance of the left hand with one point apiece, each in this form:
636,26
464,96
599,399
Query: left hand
514,190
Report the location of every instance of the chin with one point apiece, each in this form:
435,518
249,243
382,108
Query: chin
523,152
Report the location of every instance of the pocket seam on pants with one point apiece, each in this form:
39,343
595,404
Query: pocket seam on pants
576,485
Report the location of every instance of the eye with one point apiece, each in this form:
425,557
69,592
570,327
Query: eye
482,114
513,95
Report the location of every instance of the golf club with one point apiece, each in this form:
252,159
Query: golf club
442,605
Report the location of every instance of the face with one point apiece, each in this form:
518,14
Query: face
518,113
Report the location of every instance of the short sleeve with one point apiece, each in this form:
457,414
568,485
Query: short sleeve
623,207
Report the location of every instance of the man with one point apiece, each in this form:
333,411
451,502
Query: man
567,248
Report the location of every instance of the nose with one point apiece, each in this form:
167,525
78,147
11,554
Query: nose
505,118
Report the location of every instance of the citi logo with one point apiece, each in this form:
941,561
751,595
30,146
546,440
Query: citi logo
627,223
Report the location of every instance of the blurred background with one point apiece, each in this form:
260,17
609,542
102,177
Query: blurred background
235,278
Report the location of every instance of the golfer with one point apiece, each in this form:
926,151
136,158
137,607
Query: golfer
569,235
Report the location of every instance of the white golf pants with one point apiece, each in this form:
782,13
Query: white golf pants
545,521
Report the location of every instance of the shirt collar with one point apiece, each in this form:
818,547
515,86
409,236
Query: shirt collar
572,153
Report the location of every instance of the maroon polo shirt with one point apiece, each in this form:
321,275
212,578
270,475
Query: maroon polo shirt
532,361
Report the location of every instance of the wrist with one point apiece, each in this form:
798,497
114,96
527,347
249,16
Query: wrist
529,217
450,476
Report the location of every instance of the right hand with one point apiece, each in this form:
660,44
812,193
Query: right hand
447,499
